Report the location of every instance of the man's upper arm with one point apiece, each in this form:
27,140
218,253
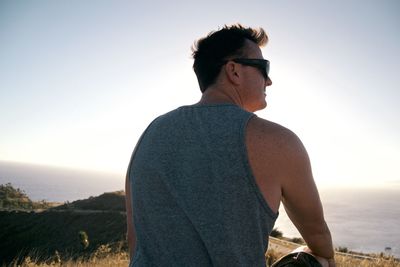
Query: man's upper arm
299,192
280,162
300,196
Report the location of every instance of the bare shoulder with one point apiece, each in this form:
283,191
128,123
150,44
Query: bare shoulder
275,153
279,150
274,136
282,148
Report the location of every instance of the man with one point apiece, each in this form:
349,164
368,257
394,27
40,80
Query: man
205,181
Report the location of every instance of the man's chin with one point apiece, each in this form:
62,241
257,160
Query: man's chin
261,107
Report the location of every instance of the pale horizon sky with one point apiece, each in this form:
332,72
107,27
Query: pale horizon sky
81,80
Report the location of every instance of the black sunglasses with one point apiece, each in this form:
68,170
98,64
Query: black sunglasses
261,64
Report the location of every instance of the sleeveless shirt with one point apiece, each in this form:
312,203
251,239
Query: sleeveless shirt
194,197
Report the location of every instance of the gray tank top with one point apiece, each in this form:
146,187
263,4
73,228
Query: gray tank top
194,197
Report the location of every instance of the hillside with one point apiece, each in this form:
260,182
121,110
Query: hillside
44,232
16,199
113,201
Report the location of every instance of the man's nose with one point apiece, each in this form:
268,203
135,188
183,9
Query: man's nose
268,81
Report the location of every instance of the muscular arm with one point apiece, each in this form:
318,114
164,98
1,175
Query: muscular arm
282,170
131,234
301,199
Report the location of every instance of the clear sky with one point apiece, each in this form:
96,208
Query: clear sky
80,80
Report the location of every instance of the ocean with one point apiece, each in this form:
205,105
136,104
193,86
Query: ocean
364,220
56,184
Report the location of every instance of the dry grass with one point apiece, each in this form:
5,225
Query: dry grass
346,261
105,257
112,260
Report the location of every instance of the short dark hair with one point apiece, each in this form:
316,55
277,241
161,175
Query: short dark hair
209,52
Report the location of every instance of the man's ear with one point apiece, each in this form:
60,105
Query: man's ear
232,72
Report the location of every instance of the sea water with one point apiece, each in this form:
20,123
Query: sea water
54,184
360,219
364,220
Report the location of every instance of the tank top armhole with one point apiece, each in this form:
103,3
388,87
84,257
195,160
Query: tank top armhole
136,148
250,175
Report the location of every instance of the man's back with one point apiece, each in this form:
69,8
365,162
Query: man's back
195,199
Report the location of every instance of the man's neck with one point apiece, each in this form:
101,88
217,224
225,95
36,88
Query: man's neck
217,95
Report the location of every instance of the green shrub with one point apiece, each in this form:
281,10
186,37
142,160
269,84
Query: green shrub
84,239
343,249
276,233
